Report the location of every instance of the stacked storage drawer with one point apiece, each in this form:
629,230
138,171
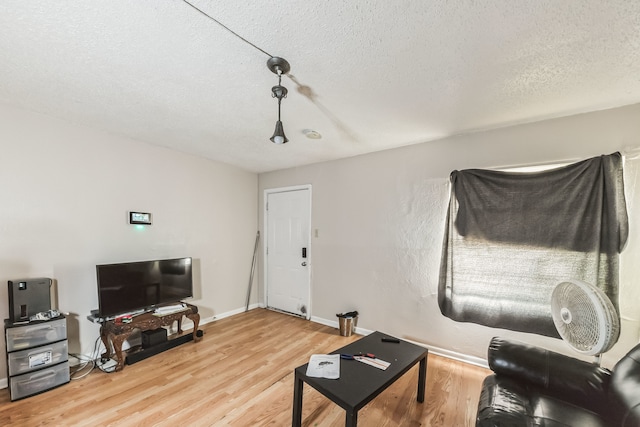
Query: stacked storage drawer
37,356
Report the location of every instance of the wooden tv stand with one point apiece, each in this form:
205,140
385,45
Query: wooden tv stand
113,333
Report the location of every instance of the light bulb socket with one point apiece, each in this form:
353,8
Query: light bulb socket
278,135
279,92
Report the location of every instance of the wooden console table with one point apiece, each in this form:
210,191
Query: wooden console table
114,334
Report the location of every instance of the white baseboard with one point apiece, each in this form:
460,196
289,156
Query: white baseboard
4,383
231,313
460,357
472,360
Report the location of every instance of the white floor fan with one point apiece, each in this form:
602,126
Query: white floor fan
585,318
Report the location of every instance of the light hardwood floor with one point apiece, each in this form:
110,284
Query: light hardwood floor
241,374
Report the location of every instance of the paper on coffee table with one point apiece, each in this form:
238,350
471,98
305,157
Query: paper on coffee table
324,366
378,363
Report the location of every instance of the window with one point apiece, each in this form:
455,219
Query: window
511,237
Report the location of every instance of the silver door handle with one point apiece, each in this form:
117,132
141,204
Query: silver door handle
304,263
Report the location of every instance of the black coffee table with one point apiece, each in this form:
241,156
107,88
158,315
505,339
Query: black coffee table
360,383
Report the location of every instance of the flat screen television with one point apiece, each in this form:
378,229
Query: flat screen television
134,286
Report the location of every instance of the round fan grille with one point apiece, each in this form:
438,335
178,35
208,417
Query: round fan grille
584,317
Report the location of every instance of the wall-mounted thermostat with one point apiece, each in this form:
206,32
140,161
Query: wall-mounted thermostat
140,218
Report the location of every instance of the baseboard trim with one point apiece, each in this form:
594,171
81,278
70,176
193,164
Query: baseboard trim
231,313
472,360
460,357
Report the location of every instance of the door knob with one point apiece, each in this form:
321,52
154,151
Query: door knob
304,263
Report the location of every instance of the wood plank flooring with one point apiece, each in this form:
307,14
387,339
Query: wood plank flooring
241,374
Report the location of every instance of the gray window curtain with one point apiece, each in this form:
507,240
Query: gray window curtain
511,237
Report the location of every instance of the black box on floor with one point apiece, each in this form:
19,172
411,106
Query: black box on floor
153,337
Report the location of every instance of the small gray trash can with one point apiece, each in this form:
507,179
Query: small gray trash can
347,323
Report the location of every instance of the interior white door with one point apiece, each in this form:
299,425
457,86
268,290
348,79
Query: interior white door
287,252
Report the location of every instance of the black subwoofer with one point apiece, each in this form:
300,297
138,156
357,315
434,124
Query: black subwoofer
153,337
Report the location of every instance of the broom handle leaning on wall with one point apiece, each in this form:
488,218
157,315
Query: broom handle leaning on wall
253,266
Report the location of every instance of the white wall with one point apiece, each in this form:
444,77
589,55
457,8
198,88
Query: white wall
380,222
64,196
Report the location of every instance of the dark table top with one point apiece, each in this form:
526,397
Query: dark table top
359,383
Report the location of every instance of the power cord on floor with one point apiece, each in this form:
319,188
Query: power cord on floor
84,362
77,369
92,362
108,370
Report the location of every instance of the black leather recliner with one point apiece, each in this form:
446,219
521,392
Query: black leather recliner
536,387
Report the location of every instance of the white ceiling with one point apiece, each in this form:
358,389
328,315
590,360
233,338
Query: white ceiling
382,73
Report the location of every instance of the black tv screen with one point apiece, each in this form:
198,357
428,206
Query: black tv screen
132,286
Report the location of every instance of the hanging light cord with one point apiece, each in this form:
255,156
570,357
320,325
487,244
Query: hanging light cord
228,29
278,136
280,97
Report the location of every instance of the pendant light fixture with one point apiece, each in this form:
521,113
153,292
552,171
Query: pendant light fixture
278,66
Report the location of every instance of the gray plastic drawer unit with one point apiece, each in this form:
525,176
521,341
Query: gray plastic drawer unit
38,381
20,337
37,356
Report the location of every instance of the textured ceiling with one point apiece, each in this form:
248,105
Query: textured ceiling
368,75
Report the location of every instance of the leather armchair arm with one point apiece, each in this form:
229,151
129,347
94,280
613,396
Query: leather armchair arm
503,403
581,383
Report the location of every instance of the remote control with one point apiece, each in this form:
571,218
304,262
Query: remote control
395,340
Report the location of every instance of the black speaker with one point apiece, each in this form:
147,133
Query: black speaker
153,337
159,348
28,297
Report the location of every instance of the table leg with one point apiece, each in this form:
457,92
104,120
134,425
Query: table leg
117,341
195,318
105,341
422,379
351,420
297,402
